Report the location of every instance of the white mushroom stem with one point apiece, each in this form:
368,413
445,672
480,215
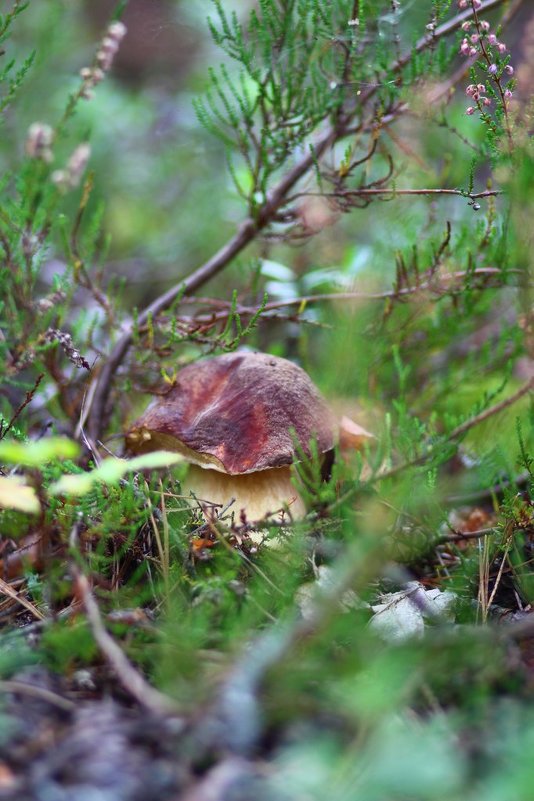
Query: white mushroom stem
259,494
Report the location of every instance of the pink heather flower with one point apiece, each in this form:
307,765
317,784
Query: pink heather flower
492,39
473,51
462,3
492,69
117,31
487,101
70,177
466,25
109,45
476,3
470,110
39,142
91,76
508,94
509,69
104,60
501,47
484,25
481,88
474,38
470,90
464,48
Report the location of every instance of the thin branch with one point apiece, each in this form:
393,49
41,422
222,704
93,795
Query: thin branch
130,678
8,590
23,688
27,400
454,434
488,492
485,415
305,300
459,536
393,192
461,430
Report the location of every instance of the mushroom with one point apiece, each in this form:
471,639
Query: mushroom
241,420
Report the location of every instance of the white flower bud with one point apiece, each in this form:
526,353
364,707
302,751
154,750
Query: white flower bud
39,141
117,31
78,162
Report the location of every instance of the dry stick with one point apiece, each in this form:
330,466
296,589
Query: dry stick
23,688
458,536
487,492
247,232
8,590
304,300
320,298
393,193
507,546
130,678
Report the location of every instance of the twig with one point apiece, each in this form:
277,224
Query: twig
499,407
393,192
305,300
23,688
6,589
28,399
487,492
130,678
509,534
459,536
463,428
443,30
454,434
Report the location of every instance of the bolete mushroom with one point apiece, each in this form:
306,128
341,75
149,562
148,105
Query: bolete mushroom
241,420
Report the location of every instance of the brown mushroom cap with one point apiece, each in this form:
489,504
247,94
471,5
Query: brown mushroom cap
237,413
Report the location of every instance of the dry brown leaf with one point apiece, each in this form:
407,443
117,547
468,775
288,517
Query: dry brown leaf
352,436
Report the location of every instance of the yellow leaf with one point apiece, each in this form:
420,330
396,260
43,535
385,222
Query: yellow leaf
14,494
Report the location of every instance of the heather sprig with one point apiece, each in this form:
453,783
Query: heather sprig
41,137
493,66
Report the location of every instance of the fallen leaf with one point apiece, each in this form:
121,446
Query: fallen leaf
402,615
352,437
15,494
28,554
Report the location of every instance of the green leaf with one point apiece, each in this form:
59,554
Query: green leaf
111,471
37,454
